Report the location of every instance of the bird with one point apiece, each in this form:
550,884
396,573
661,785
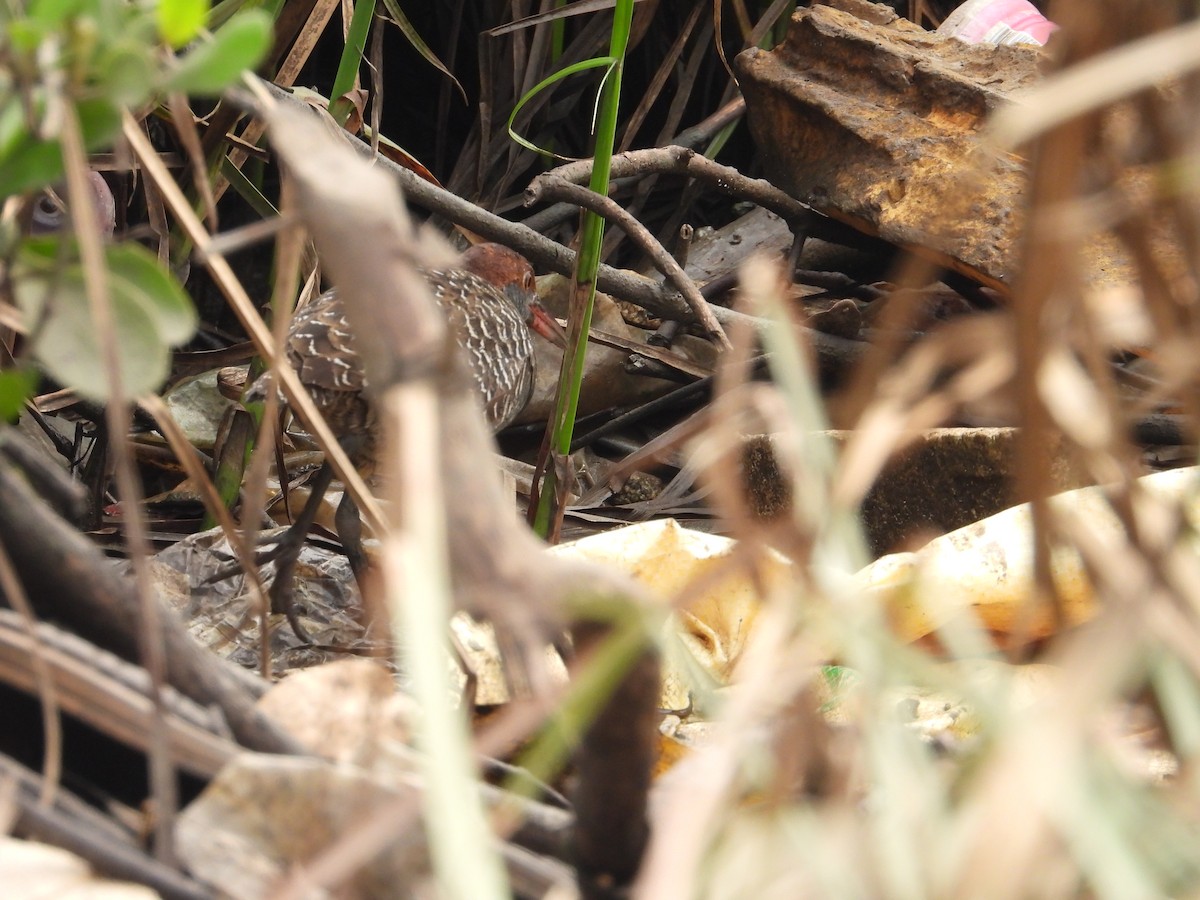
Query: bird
489,300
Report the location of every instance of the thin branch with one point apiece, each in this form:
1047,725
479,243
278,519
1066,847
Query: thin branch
685,161
544,187
703,131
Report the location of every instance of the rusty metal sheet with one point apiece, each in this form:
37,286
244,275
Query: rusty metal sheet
876,123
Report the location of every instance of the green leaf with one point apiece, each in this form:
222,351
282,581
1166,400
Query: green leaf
12,126
608,62
23,35
99,120
29,164
150,312
21,153
237,47
179,21
136,274
356,40
126,74
248,190
16,386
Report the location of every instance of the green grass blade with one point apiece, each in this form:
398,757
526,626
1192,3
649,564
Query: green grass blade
567,405
352,55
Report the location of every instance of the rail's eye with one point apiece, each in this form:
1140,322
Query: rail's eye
48,214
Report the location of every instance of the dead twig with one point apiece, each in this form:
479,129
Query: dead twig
545,219
685,161
550,186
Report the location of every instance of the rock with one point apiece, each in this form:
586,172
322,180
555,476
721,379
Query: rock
876,123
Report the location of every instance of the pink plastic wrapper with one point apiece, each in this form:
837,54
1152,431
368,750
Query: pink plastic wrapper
998,22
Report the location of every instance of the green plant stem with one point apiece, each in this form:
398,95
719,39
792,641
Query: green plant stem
557,31
614,656
352,54
567,404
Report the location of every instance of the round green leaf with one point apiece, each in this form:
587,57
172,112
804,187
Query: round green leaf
150,313
136,275
66,342
125,73
99,120
29,164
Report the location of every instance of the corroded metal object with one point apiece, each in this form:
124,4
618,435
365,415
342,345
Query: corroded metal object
876,122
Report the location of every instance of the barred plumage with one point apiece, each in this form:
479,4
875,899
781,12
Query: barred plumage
486,300
490,306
